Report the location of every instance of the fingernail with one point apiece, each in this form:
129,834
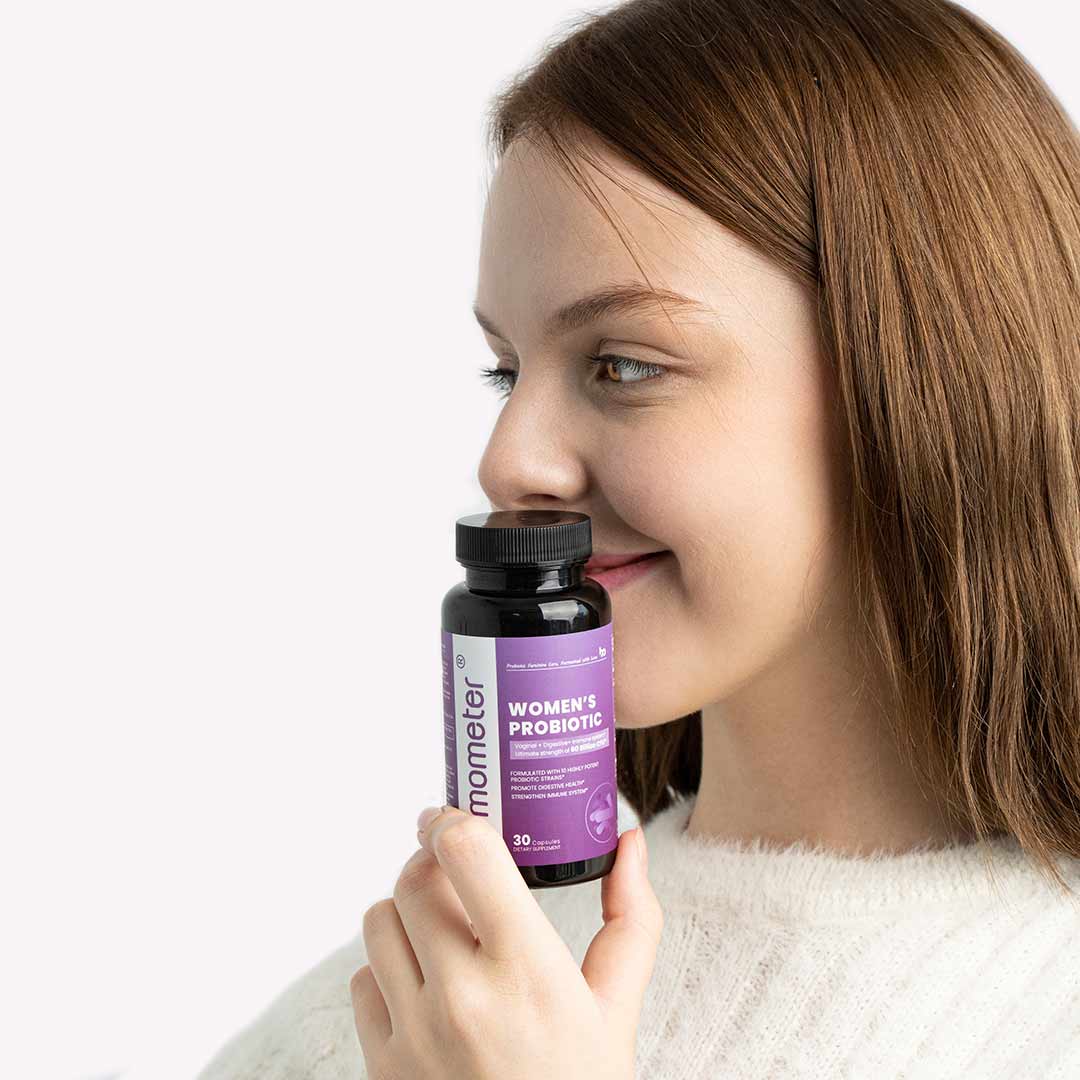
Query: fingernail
643,850
426,817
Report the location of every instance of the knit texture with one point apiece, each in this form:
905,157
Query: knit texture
788,962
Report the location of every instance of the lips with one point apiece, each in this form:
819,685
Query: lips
606,562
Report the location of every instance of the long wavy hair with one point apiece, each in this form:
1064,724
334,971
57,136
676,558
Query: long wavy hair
907,161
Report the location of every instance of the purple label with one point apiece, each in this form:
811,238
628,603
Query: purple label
529,727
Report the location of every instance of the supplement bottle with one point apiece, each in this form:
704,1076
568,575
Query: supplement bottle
529,693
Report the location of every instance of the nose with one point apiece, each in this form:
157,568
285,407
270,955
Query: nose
536,454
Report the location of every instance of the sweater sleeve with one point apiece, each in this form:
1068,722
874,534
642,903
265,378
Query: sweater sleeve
306,1033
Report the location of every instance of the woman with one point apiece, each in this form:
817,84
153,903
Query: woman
830,370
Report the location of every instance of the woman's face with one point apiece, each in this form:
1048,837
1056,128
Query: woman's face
713,439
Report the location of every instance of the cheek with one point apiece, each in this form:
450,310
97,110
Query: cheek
752,509
750,501
764,524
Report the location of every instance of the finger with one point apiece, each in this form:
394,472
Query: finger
433,917
372,1018
620,959
505,915
391,959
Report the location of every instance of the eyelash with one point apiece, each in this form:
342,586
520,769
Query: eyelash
500,377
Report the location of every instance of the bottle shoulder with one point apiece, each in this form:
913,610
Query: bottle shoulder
584,607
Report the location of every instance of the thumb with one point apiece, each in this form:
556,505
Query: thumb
619,961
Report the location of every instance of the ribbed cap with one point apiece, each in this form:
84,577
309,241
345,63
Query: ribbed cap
523,538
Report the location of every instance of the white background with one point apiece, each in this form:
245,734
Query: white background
239,414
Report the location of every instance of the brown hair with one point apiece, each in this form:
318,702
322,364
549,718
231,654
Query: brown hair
906,161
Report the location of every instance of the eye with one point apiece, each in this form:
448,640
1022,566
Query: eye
504,378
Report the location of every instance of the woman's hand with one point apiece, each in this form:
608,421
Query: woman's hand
468,980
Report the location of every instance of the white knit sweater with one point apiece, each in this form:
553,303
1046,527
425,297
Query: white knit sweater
793,962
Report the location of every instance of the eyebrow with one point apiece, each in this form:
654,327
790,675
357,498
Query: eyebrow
625,299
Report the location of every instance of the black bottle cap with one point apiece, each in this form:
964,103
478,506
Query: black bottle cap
524,538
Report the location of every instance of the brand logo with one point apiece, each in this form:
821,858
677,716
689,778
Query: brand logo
478,776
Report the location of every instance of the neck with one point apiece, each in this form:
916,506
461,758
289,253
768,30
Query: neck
800,754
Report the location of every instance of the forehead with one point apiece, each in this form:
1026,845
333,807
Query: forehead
545,241
534,204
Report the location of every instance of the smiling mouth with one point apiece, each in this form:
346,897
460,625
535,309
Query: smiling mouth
609,562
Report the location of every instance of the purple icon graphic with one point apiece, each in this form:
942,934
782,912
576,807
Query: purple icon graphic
601,812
